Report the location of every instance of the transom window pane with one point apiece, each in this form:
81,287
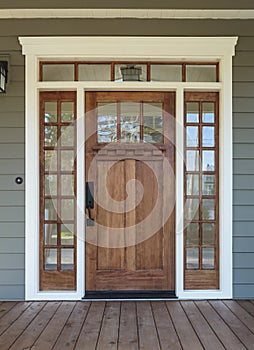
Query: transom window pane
58,72
166,72
203,73
94,72
136,72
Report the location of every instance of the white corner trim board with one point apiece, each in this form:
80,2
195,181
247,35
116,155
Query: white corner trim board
220,49
128,13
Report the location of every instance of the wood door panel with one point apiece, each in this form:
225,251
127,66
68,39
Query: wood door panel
133,235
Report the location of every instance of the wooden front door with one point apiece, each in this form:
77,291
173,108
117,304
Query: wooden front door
130,191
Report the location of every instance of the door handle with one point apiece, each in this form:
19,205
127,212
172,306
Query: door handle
90,202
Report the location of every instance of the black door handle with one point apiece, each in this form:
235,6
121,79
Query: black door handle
90,202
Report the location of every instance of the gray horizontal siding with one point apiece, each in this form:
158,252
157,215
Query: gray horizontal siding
12,122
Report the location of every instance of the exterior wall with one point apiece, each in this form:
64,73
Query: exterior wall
12,133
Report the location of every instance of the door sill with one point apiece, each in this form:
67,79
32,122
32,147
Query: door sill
130,294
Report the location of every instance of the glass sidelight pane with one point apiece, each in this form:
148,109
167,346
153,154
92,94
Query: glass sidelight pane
67,209
192,160
67,112
50,113
67,259
50,210
208,185
67,160
192,112
67,185
208,161
192,137
208,139
192,185
192,232
208,258
67,136
50,185
50,158
152,122
94,72
67,234
50,136
208,209
201,73
130,122
50,234
192,209
208,233
58,72
107,122
166,72
50,259
208,112
192,258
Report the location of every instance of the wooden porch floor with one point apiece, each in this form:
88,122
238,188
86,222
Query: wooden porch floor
191,325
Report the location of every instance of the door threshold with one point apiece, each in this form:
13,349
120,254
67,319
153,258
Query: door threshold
129,294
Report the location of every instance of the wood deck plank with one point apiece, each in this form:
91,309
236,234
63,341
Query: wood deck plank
6,306
128,331
71,330
241,331
148,337
49,336
12,315
201,326
108,337
89,333
240,313
18,327
165,328
222,330
247,305
35,328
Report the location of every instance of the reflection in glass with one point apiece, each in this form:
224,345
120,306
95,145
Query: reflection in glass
50,259
50,234
67,160
208,209
192,112
50,136
50,185
152,119
192,233
67,136
67,209
208,185
192,161
50,114
94,72
118,74
192,258
208,161
208,115
58,72
130,122
201,73
67,185
208,136
208,233
208,258
191,209
67,234
50,210
192,184
67,112
67,259
50,160
166,72
107,122
192,136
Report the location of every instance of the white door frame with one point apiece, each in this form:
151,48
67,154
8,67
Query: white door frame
127,48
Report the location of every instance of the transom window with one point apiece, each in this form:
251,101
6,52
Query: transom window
129,71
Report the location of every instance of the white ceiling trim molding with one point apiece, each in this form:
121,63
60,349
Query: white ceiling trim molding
126,13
